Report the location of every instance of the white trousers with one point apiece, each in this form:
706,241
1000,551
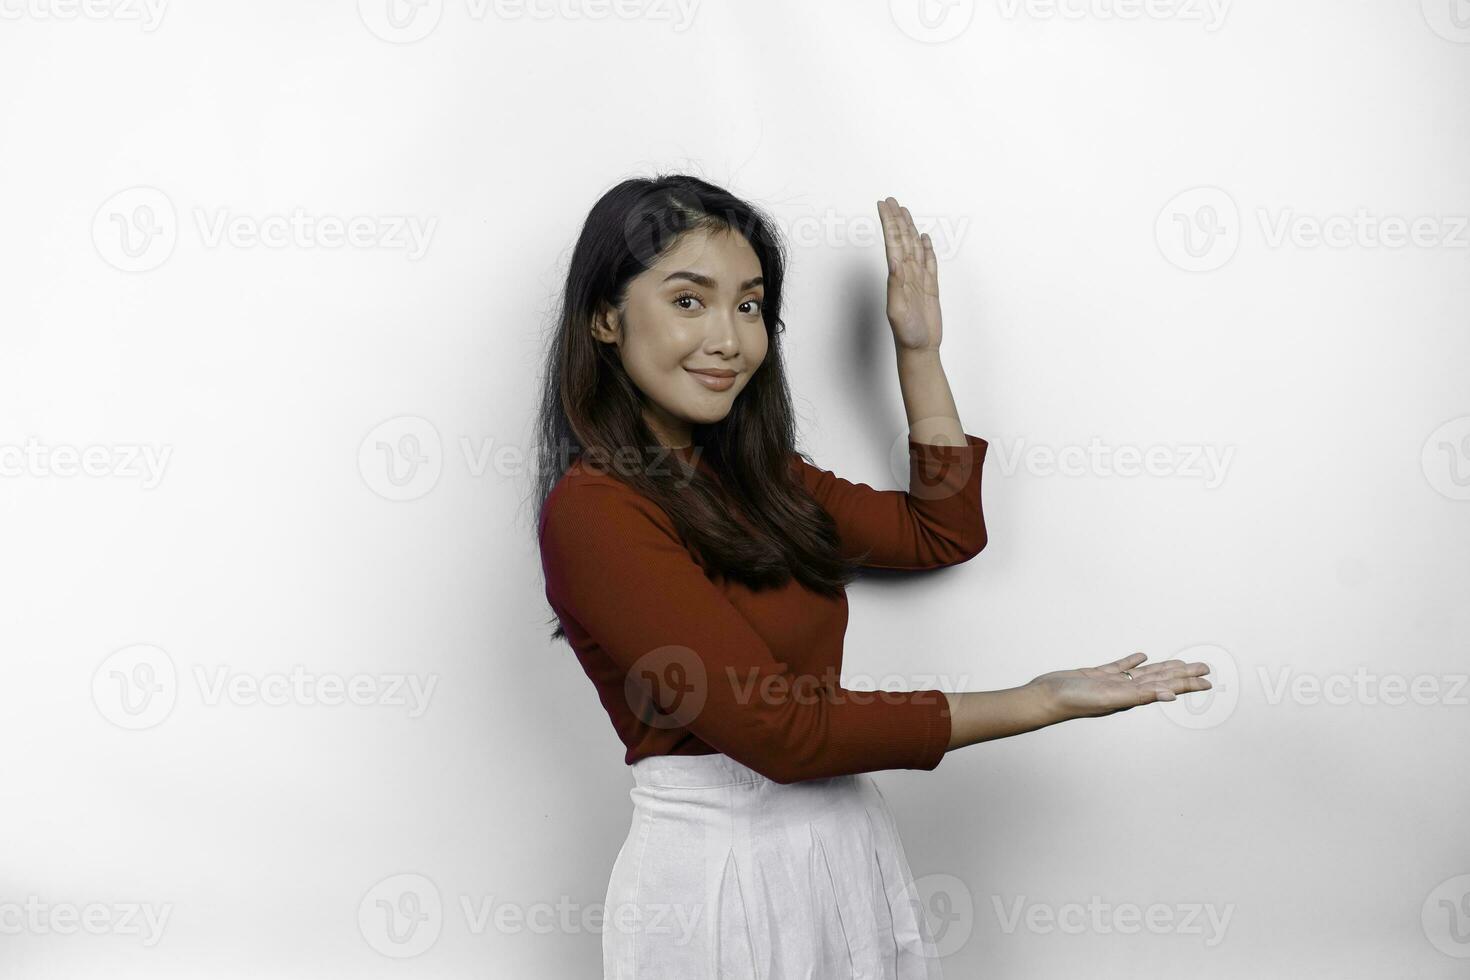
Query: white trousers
726,874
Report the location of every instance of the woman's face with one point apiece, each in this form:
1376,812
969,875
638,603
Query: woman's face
698,309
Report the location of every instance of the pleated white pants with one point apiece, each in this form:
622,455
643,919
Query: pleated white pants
726,874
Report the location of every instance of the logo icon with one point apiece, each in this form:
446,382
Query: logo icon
1446,458
400,21
1450,19
667,687
136,687
401,916
1199,230
945,909
932,21
1206,709
1446,917
135,230
401,459
946,468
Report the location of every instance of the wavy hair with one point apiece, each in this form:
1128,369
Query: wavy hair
753,521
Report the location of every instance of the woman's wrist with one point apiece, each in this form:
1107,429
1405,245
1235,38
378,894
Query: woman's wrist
907,354
1046,704
982,716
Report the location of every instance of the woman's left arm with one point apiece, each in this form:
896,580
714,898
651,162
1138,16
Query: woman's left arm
938,520
918,329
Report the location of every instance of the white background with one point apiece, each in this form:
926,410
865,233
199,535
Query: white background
1046,151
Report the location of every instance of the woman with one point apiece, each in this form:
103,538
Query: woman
696,564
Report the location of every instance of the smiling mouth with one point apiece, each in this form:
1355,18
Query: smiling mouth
714,382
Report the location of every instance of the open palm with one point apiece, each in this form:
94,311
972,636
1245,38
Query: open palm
1091,692
913,279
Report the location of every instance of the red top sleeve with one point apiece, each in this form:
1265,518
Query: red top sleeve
938,522
622,580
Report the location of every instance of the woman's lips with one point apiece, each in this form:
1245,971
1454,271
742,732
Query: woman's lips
712,382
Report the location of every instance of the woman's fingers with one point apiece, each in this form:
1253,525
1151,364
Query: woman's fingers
1168,690
898,227
1169,668
892,245
902,242
893,236
1127,663
1155,668
1095,691
893,227
1155,673
1185,673
910,233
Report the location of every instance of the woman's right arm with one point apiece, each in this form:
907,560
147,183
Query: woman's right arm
615,563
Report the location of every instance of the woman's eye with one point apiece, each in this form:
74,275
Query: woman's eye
679,301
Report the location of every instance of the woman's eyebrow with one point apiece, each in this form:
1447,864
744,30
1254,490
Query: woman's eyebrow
709,283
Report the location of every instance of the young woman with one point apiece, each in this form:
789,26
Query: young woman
696,564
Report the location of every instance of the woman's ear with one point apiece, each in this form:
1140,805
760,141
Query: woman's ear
605,325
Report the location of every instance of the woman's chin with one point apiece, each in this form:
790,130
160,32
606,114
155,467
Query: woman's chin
707,414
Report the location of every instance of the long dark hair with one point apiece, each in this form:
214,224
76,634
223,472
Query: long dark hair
590,406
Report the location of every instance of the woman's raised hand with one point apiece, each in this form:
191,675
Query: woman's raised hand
913,280
1091,692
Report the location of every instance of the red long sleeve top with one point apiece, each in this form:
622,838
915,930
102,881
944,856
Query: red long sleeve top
690,664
